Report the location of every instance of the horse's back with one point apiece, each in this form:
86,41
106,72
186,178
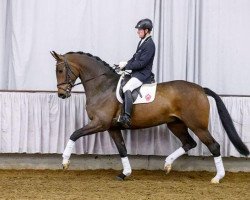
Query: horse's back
181,89
180,85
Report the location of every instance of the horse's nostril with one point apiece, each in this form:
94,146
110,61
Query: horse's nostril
61,96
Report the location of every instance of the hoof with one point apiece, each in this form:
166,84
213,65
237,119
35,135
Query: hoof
120,177
167,168
215,181
65,165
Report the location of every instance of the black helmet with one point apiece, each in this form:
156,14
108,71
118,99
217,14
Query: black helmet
145,24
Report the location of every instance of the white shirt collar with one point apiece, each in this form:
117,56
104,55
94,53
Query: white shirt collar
145,39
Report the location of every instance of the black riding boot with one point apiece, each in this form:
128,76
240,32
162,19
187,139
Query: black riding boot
124,120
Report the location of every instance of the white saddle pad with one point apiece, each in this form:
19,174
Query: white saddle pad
147,93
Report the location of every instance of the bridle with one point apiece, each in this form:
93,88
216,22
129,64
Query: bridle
68,80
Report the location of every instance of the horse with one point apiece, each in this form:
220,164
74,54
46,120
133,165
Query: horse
180,104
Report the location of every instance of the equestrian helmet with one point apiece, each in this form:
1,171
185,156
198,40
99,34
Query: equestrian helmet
145,24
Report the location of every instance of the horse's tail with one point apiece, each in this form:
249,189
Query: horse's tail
228,123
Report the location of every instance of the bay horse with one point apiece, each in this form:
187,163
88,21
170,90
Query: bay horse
179,104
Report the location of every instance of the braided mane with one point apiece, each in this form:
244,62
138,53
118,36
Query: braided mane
90,55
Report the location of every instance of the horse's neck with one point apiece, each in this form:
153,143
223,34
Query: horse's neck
96,84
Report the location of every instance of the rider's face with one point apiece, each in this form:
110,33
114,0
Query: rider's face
141,33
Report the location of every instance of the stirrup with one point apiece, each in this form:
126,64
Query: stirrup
124,121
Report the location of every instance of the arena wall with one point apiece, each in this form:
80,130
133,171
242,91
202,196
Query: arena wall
138,162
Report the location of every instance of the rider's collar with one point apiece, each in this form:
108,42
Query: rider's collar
144,39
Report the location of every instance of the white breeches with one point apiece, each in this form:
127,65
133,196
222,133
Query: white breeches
132,84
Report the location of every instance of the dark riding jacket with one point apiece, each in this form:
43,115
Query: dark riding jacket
142,61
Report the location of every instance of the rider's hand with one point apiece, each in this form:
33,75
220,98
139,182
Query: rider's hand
122,64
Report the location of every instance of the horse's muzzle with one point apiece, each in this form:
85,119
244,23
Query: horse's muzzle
64,95
64,92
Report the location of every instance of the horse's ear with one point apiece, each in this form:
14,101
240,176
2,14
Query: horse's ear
55,55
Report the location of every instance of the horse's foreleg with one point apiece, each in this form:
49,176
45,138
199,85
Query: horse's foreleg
119,142
67,153
92,127
180,130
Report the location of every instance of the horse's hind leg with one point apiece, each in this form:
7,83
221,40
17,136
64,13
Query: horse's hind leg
180,130
119,142
213,146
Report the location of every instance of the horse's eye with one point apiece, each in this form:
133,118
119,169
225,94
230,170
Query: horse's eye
59,71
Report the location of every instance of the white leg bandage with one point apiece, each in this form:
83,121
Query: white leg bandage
67,151
126,166
219,167
172,157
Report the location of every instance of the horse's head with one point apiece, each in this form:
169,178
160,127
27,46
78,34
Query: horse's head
66,74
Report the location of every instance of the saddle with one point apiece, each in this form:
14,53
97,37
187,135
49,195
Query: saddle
143,94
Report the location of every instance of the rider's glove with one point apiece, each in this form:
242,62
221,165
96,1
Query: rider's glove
122,64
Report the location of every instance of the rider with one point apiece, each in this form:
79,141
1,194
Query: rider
141,66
